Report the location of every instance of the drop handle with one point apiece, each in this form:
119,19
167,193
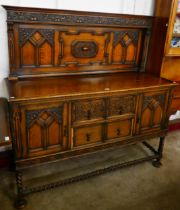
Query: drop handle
85,49
88,137
118,132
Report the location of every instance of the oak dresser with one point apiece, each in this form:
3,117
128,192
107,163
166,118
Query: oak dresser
77,84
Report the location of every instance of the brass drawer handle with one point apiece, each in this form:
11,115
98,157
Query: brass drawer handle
88,137
118,132
85,49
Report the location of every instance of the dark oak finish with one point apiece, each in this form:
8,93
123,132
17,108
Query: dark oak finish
54,42
62,101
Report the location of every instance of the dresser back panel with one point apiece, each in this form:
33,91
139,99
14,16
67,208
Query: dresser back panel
54,42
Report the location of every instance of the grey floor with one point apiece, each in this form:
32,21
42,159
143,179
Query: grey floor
140,187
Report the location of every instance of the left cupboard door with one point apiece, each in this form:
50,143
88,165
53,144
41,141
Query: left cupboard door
40,129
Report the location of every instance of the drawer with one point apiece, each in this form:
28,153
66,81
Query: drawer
88,110
121,105
87,135
119,129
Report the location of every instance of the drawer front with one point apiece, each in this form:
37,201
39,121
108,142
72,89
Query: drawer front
88,110
119,129
87,135
121,105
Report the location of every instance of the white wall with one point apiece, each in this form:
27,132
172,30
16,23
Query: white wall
142,7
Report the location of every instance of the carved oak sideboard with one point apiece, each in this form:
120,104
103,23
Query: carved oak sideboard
77,85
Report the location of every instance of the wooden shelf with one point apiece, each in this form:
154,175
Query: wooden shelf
176,35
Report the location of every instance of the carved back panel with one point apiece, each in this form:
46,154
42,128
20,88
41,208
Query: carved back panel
55,42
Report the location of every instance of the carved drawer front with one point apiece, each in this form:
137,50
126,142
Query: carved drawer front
121,105
153,110
87,135
88,110
119,129
41,129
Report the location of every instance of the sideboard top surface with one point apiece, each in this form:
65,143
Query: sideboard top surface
36,88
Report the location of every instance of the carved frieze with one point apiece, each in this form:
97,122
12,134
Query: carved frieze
57,18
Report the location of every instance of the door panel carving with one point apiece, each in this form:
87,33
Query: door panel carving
152,111
43,129
36,46
83,48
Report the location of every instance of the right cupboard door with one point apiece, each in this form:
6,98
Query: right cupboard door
152,114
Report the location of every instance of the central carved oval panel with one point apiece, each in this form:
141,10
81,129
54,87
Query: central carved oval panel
84,49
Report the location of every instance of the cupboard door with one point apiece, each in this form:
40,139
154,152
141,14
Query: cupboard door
153,111
43,129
